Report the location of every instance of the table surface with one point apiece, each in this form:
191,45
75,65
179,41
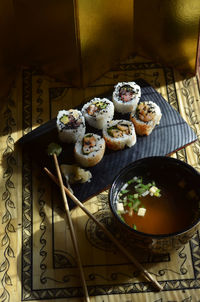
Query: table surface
37,260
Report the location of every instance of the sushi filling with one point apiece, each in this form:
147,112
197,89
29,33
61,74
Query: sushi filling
96,107
70,121
89,144
119,130
126,93
145,112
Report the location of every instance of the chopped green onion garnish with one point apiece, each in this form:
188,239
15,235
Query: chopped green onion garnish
124,191
130,181
130,197
136,205
132,201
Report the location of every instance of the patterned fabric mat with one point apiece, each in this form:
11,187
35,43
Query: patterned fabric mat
36,255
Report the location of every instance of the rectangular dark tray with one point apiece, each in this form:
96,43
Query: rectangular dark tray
172,134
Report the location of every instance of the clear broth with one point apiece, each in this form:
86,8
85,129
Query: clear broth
173,211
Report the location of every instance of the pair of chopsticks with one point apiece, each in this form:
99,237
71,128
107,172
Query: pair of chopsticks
55,150
64,190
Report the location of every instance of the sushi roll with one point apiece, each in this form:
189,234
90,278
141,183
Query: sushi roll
126,96
118,134
98,111
146,117
70,125
89,150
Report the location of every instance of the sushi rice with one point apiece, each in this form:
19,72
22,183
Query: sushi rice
70,125
98,112
89,150
146,117
118,134
126,96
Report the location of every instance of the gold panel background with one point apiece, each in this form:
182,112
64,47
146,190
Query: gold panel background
76,41
168,31
47,37
106,35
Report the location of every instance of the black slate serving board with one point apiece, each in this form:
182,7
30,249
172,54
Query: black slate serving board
172,134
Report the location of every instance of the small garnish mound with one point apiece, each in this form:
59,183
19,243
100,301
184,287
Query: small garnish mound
75,174
54,148
129,202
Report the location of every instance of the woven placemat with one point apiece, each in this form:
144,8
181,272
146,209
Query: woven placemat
36,257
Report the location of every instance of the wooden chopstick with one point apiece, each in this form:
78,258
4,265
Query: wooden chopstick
72,232
143,271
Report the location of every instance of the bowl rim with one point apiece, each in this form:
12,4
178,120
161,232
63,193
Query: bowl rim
122,172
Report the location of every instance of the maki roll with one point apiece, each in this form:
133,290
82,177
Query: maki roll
118,134
98,111
126,96
146,117
89,150
70,125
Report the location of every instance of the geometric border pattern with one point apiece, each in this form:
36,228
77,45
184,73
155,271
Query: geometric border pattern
28,293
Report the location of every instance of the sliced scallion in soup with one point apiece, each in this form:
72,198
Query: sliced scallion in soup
156,209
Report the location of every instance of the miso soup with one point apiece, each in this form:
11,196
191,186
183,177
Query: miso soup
163,206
